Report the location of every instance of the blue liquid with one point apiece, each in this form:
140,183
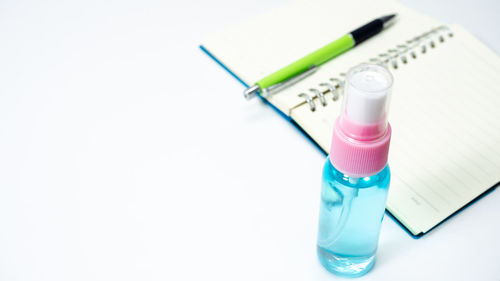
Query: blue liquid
350,218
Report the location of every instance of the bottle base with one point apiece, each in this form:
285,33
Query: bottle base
345,266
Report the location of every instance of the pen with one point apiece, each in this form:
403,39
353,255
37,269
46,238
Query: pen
307,65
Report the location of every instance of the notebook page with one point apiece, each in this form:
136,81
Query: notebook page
257,48
445,148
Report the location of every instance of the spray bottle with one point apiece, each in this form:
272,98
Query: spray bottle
356,175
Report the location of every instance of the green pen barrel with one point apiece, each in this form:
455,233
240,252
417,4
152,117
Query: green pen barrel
315,58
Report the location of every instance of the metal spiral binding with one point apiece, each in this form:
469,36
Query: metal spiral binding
401,54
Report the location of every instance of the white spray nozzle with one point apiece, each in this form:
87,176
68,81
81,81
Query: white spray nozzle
366,101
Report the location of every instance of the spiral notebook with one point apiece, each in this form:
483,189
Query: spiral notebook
445,149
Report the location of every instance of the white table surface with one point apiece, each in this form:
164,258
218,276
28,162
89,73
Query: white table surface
127,154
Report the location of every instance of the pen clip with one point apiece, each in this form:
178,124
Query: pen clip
271,90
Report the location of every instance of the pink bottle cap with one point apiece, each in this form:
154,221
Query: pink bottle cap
361,136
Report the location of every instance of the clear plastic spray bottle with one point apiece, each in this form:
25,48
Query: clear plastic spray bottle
356,175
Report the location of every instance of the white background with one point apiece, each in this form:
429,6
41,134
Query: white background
127,154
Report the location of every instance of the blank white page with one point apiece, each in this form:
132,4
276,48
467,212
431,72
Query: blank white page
445,147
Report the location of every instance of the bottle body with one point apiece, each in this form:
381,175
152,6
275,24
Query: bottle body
350,218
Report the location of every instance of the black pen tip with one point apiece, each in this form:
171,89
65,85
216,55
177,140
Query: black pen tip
388,20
